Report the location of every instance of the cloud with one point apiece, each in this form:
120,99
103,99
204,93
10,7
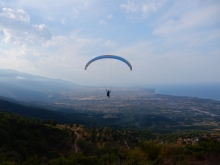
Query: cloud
109,43
142,8
75,12
158,64
165,40
17,27
110,16
19,15
63,21
150,7
189,20
19,77
69,9
189,16
190,26
130,7
102,22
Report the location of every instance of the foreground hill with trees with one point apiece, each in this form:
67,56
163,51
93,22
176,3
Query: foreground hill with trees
26,140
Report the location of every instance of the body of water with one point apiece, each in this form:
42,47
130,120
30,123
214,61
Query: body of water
207,91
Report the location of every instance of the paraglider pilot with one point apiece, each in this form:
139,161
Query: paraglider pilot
108,92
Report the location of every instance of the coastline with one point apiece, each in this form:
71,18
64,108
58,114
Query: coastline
208,91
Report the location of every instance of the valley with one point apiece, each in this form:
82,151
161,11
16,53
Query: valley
135,108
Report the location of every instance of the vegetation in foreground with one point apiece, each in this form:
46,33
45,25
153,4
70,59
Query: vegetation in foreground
29,141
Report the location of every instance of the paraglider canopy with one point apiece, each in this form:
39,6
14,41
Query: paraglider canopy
110,57
108,70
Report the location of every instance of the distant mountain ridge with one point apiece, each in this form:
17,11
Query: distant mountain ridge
19,85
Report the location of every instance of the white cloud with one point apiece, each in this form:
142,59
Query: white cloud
14,58
102,22
150,7
19,77
75,13
154,64
109,43
189,26
17,28
63,21
110,16
167,41
18,15
69,9
42,31
130,6
189,20
7,36
142,8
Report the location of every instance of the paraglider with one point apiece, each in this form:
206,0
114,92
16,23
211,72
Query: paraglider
108,57
108,92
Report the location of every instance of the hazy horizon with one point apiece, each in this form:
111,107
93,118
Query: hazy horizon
23,82
147,85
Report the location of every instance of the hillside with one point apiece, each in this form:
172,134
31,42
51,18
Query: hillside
14,106
23,86
23,137
29,141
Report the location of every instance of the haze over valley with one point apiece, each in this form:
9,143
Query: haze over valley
127,107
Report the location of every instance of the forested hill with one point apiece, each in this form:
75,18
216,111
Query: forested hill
25,141
38,113
29,111
22,138
10,105
39,136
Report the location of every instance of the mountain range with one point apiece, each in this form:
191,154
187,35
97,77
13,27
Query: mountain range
22,86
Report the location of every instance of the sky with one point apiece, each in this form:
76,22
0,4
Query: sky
166,41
